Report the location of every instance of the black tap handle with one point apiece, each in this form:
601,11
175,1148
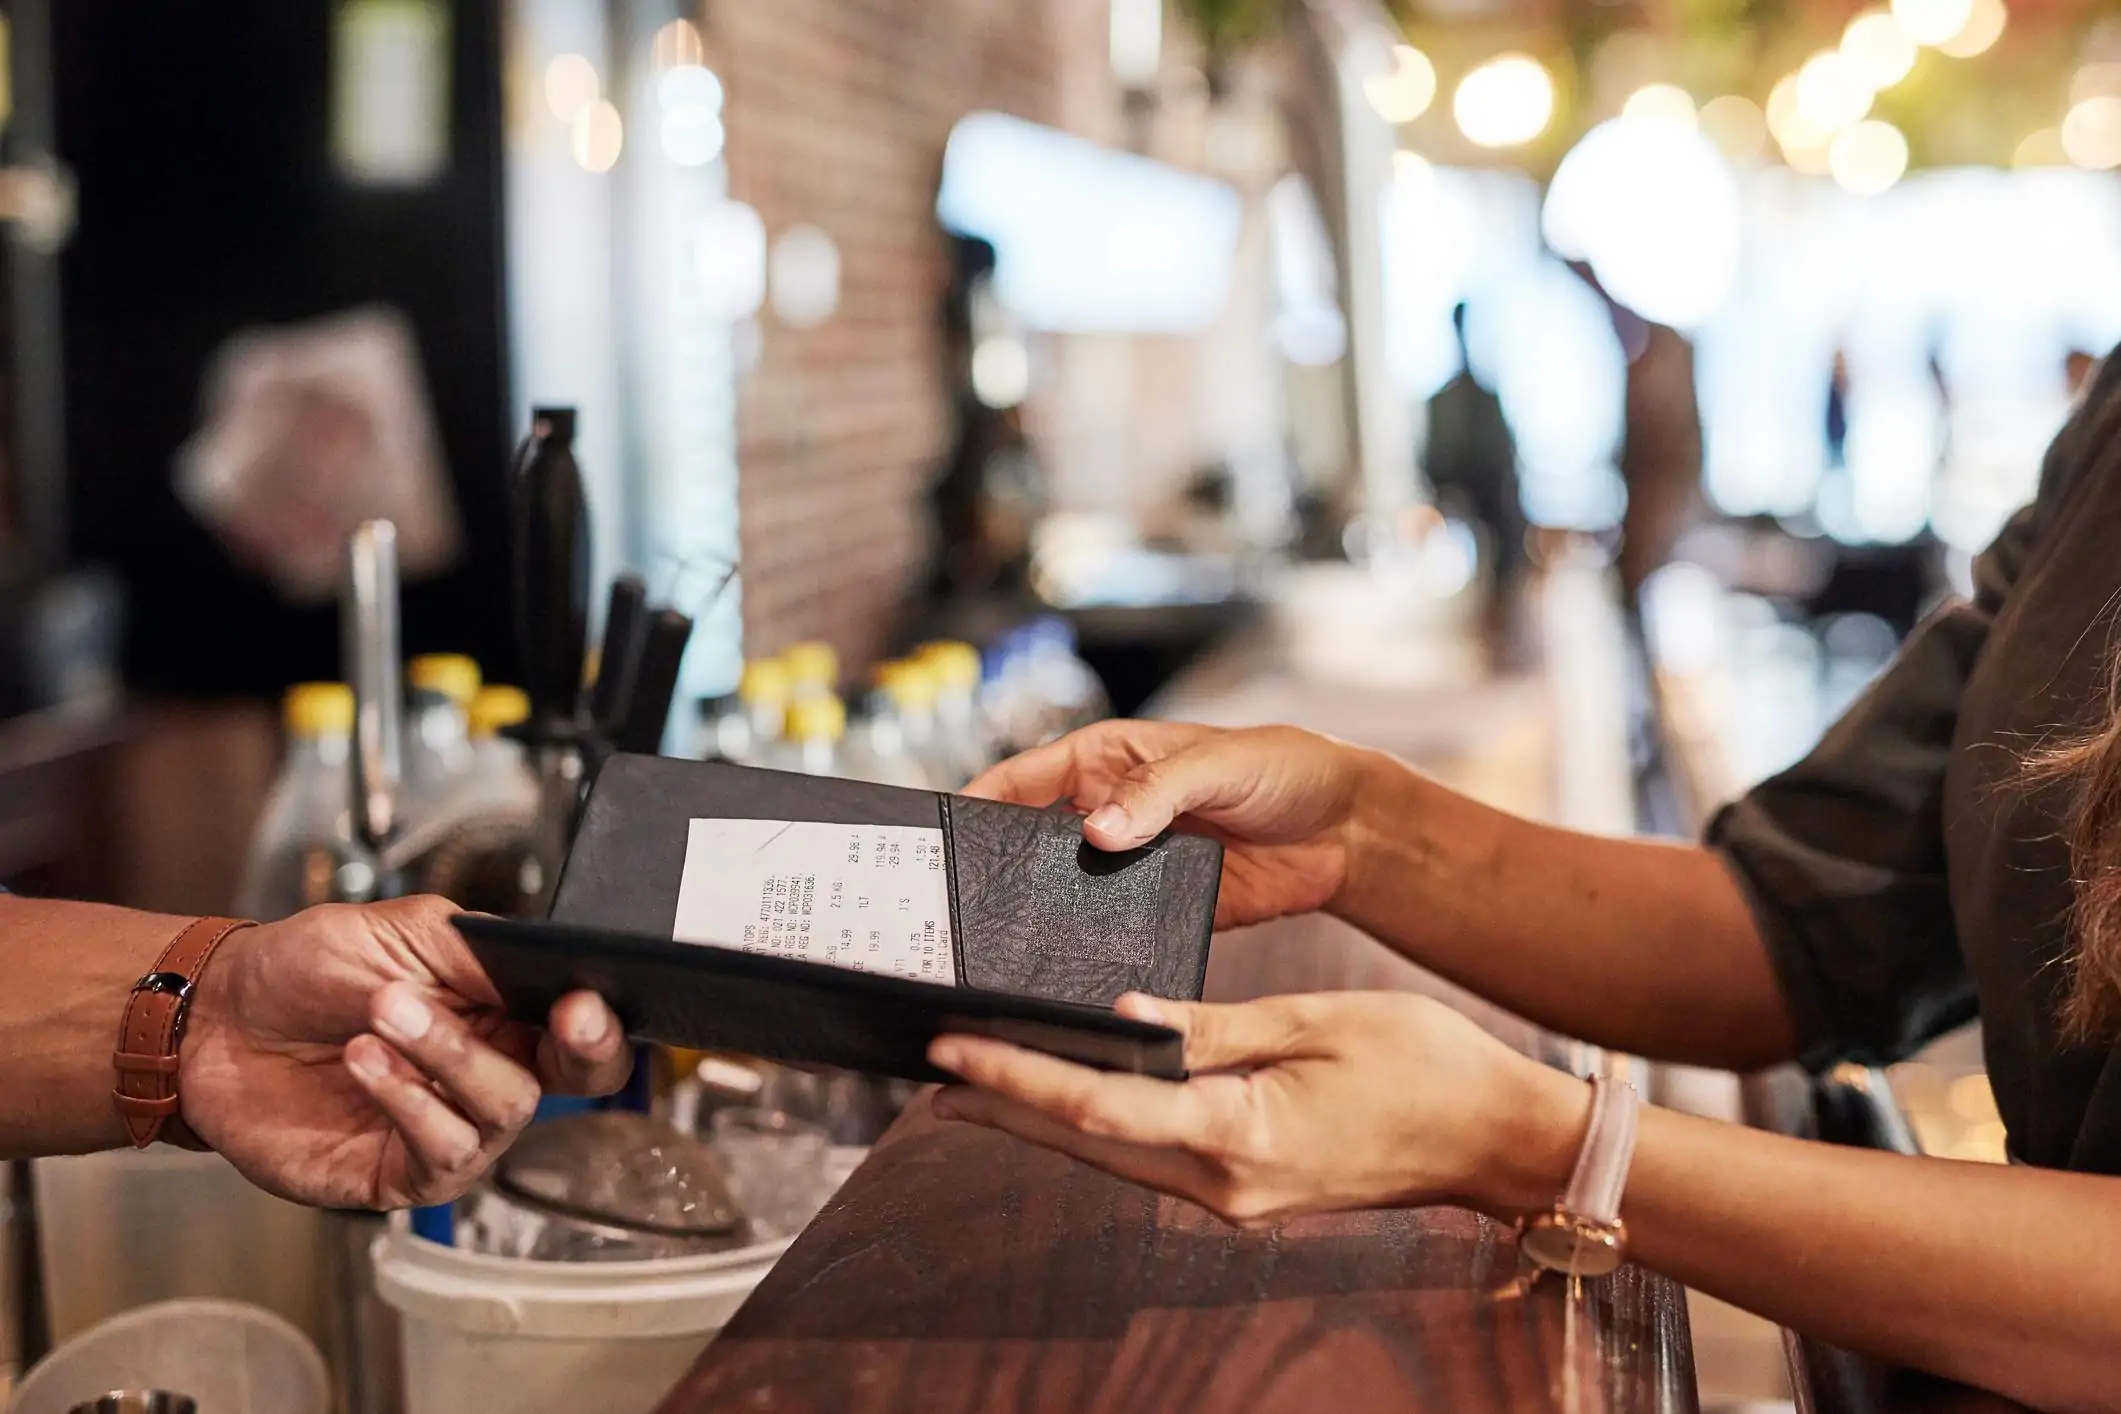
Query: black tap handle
551,534
619,661
655,686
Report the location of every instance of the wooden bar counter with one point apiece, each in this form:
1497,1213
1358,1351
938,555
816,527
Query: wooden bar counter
962,1270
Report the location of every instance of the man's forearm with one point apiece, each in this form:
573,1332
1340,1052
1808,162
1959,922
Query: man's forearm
1635,945
69,967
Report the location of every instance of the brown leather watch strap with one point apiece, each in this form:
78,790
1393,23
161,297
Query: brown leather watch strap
152,1031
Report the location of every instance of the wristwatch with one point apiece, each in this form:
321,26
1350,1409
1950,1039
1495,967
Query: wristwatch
1583,1235
152,1033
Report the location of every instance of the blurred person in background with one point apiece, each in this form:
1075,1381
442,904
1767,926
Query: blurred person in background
1471,461
1660,442
988,494
1837,412
1943,386
1950,851
347,1057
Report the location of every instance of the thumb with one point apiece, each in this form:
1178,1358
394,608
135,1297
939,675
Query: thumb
1148,798
1241,1037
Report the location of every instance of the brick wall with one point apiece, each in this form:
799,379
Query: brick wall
838,114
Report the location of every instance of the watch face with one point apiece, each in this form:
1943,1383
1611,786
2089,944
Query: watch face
1570,1245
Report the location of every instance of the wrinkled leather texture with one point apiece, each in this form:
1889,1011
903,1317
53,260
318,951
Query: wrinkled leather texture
1037,912
1041,914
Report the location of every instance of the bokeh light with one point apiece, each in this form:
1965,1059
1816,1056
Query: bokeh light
1879,48
2091,133
1506,102
2041,148
693,136
1832,92
599,137
1984,26
571,85
1655,210
1403,92
1736,125
730,252
1661,103
689,86
1001,372
1932,21
690,96
1868,158
803,277
1802,142
679,42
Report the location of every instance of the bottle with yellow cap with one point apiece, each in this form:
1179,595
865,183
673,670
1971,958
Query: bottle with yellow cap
964,737
816,727
500,777
307,825
813,669
752,730
437,728
882,748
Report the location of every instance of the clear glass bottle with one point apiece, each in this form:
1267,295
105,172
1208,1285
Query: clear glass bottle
912,688
307,826
765,691
437,729
499,778
966,739
879,749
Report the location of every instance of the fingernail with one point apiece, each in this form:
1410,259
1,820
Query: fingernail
945,1108
593,1031
367,1063
403,1017
945,1056
1107,820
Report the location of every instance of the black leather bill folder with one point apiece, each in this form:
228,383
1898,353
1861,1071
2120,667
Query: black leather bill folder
831,922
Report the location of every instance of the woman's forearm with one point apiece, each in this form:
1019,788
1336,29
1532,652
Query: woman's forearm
69,967
1634,945
1998,1277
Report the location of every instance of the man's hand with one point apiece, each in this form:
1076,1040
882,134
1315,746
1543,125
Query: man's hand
359,1057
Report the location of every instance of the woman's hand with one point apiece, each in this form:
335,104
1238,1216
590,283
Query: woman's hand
1297,1105
359,1057
1282,801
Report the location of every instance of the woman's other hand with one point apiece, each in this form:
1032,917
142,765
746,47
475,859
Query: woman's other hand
359,1057
1297,1105
1282,801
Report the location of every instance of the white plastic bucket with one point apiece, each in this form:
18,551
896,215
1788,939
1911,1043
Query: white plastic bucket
498,1335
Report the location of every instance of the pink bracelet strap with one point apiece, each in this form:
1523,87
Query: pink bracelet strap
1584,1236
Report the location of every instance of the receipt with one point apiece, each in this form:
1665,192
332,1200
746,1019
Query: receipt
874,898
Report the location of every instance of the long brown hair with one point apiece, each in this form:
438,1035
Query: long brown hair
2092,764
